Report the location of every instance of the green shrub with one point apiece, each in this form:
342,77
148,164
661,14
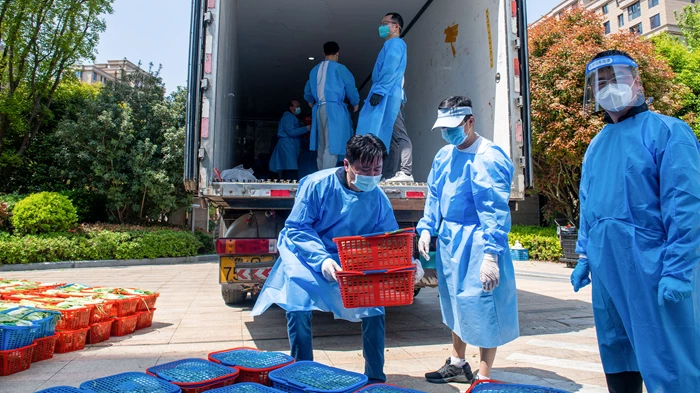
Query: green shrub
542,243
206,241
44,212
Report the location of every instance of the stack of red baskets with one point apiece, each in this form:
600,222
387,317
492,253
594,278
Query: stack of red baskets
377,269
72,329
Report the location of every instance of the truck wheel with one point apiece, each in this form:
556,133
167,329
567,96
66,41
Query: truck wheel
416,291
233,296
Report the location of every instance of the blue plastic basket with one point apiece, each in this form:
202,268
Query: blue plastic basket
47,326
519,255
245,387
64,389
308,377
193,373
383,388
129,382
13,337
250,358
511,388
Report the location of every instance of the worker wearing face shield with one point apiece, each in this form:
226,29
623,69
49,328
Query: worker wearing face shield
467,209
639,236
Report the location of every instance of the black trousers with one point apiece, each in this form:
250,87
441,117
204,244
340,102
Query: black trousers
627,382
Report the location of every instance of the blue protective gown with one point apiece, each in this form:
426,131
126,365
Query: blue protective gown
640,220
324,209
285,157
329,84
387,81
467,208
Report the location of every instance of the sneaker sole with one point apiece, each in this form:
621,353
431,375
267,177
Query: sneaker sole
458,379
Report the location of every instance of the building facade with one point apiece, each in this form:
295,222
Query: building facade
100,73
646,17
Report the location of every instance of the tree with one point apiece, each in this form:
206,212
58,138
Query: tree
560,48
128,146
42,40
689,23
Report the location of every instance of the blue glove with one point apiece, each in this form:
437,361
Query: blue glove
673,290
581,275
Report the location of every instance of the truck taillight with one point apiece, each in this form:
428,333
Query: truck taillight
415,195
246,246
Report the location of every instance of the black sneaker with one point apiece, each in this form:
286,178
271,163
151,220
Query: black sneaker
450,373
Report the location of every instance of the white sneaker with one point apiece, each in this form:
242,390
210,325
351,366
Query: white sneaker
400,177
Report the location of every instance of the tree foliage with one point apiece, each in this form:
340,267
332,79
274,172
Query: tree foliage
42,40
127,145
689,23
560,47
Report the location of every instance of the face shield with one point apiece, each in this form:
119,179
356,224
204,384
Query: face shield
612,84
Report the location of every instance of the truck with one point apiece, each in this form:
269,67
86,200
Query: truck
249,58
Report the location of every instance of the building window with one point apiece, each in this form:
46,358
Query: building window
634,11
605,9
655,21
607,27
621,20
79,74
94,76
637,29
653,3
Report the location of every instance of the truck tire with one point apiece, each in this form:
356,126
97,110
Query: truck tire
416,291
233,296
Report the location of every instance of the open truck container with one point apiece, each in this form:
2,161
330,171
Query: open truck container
248,58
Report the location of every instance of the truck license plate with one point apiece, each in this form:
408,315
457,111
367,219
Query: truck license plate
229,273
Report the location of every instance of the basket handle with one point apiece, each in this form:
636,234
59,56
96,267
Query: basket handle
479,382
378,234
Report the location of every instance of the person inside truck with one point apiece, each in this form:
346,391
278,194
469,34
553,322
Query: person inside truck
382,114
329,84
332,203
285,157
467,209
639,235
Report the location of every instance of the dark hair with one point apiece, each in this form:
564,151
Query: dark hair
331,48
396,18
456,101
365,148
613,52
291,103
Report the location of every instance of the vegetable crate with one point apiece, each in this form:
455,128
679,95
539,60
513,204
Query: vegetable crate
16,360
195,375
129,382
71,340
125,307
45,320
63,389
384,388
148,302
490,386
124,326
393,287
44,349
254,365
100,332
78,318
144,319
376,252
101,312
246,387
568,236
303,377
13,337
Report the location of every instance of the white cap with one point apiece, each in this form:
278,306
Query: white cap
451,117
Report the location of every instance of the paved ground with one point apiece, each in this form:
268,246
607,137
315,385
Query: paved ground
557,346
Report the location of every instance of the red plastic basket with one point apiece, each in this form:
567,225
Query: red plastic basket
147,302
75,319
145,319
393,287
123,326
101,312
358,253
44,348
71,340
100,332
125,307
16,360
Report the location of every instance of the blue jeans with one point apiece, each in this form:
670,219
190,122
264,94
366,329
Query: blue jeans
373,329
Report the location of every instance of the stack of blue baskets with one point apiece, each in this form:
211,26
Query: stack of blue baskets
382,388
195,374
510,388
245,387
129,382
306,377
64,389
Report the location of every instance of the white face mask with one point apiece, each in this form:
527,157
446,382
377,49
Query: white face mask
615,97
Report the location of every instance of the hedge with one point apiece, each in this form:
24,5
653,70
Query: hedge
99,243
542,243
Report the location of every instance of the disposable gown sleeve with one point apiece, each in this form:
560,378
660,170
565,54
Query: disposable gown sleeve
582,242
491,191
300,227
390,68
308,96
290,127
679,182
350,89
431,213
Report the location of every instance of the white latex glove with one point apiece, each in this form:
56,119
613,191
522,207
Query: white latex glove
489,273
419,271
424,245
328,269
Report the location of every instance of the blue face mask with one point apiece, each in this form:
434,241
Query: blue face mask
384,31
365,183
297,111
454,136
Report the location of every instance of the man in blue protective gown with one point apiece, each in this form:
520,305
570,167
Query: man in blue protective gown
330,83
331,203
467,209
382,114
285,157
639,235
